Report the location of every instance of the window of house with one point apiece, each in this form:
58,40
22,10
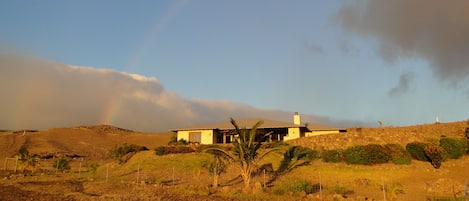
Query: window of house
195,137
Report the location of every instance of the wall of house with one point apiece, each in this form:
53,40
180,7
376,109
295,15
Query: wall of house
183,135
206,136
325,132
293,133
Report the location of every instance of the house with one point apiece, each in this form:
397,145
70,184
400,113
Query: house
221,133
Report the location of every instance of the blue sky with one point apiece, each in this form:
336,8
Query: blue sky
315,57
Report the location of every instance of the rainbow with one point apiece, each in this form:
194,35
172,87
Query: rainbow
110,113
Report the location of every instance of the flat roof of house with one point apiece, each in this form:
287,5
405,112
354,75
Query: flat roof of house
249,122
320,127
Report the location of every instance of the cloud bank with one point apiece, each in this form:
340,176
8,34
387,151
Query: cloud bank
430,29
40,94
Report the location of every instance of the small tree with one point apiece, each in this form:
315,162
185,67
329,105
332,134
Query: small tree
246,150
27,160
435,154
217,166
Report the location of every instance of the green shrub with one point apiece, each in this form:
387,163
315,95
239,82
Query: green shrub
331,156
355,155
62,164
417,151
376,154
160,150
163,150
311,154
118,152
174,141
366,155
455,148
435,154
301,186
399,155
296,186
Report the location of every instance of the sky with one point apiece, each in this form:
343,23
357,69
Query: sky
159,65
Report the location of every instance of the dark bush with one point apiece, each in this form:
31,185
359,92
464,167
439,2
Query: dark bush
399,155
311,154
376,154
118,152
366,155
180,150
417,151
163,150
295,186
355,155
331,156
174,141
435,154
160,150
455,148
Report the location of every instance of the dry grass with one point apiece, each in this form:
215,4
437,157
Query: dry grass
91,142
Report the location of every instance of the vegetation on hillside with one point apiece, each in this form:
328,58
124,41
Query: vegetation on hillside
27,160
123,152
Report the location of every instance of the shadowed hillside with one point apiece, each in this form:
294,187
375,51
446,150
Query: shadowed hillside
384,135
92,142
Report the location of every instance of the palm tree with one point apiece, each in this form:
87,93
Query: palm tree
246,150
294,157
217,166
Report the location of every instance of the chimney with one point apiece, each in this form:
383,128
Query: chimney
296,119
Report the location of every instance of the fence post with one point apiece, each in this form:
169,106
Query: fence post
57,168
107,172
16,164
384,190
320,185
465,190
174,182
79,170
138,173
264,177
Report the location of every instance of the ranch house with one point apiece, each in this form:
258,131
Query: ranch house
221,133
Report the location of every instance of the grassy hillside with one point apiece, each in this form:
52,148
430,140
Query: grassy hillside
92,142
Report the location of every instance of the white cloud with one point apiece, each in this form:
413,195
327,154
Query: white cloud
39,94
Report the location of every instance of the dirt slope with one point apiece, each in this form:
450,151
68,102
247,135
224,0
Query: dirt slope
90,141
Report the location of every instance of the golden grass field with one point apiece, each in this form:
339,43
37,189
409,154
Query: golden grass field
183,177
